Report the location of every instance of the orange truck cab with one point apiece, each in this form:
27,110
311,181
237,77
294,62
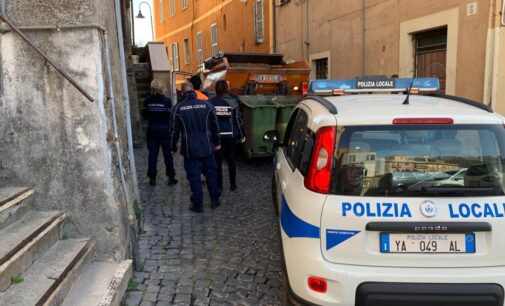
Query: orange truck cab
257,73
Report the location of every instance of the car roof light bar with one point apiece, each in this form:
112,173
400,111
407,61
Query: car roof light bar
365,85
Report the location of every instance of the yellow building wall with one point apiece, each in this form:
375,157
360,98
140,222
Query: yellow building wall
235,26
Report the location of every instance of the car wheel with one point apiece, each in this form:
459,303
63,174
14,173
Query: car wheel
274,195
284,292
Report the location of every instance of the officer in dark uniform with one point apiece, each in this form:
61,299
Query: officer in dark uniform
195,120
158,110
231,131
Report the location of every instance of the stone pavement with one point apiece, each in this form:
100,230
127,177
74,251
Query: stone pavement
226,256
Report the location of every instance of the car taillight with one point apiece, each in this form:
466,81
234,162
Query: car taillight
319,173
305,88
317,284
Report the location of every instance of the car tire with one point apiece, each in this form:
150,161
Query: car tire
274,196
284,292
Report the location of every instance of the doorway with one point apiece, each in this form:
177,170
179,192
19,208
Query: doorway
431,55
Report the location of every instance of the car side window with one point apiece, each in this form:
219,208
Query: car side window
295,137
306,154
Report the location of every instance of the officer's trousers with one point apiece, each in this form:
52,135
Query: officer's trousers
156,137
194,168
228,151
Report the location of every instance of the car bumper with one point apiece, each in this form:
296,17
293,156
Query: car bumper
303,258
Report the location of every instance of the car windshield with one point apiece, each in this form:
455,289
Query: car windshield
420,160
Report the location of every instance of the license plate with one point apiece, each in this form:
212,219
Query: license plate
427,243
268,78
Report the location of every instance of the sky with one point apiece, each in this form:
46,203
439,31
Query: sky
142,26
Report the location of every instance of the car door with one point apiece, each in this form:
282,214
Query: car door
300,208
288,153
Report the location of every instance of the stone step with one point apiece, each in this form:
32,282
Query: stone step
103,284
142,76
141,67
142,87
14,203
25,240
49,279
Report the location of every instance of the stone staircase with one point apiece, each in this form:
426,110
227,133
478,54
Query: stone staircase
39,267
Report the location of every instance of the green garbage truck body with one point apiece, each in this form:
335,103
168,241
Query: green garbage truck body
263,113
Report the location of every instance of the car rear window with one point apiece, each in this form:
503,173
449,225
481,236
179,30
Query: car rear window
420,160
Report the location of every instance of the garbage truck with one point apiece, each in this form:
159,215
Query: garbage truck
268,89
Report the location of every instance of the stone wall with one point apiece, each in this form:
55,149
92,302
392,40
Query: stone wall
51,137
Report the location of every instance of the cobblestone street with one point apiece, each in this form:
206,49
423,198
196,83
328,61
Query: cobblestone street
226,256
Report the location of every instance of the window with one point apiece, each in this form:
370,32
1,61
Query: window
186,51
184,4
213,38
258,21
162,11
295,138
420,161
175,57
172,7
199,51
321,68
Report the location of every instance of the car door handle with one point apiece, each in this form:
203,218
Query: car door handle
283,185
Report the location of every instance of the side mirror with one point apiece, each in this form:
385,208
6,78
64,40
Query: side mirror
272,136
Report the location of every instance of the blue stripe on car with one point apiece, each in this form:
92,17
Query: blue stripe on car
294,226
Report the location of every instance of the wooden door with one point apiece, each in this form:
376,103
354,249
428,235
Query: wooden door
431,54
432,64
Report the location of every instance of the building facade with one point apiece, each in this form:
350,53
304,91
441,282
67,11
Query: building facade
457,41
195,30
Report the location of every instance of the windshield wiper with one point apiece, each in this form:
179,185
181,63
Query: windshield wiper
445,190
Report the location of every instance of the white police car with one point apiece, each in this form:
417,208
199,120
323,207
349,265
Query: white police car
354,232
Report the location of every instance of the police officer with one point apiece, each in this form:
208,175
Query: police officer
157,109
195,120
230,131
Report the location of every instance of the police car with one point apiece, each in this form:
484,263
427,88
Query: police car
351,234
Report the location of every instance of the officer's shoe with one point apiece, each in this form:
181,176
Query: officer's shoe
215,204
195,208
172,181
233,187
152,181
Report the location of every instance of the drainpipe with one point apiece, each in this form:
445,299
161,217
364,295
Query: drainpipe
363,39
301,29
274,27
126,99
496,58
3,11
133,227
132,13
489,59
502,12
307,42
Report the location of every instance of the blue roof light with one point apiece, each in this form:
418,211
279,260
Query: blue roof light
329,87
